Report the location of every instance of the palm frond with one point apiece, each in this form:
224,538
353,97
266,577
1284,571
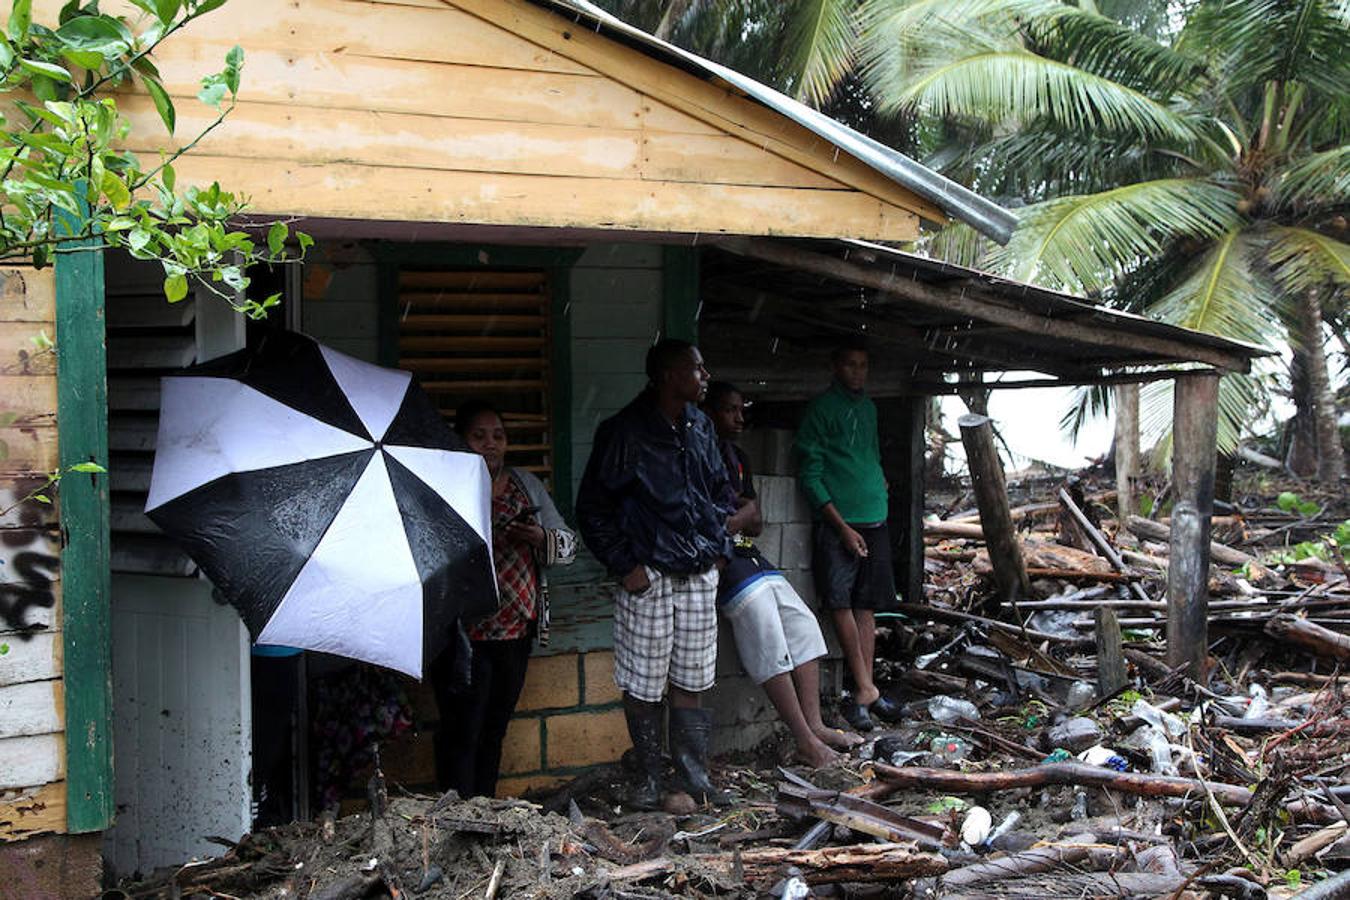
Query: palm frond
1113,50
1261,41
1302,260
1238,395
822,39
957,243
1318,179
1082,243
1016,87
1222,295
1087,402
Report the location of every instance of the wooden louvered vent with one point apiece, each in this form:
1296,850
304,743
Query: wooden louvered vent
483,334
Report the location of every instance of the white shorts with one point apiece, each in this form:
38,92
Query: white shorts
775,631
666,635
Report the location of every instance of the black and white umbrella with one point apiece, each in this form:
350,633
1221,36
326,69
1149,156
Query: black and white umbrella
324,497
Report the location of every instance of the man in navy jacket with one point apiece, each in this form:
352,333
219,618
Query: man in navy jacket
652,508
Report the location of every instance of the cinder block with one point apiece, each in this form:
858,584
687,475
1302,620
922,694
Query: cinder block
587,738
728,660
770,543
551,683
522,749
600,686
799,509
796,552
520,786
736,701
775,498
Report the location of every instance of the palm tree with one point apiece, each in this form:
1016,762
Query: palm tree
1192,162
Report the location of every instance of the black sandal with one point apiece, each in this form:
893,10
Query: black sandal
856,715
886,708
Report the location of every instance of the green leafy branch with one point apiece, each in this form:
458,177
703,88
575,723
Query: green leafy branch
42,493
66,179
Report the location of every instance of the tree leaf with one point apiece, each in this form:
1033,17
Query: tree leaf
115,189
96,33
163,103
20,17
175,288
45,69
167,9
276,238
87,467
212,92
169,177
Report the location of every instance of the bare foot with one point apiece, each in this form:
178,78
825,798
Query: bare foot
867,697
838,738
816,754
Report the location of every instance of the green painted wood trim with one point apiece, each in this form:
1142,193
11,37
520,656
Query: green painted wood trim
82,428
679,293
560,372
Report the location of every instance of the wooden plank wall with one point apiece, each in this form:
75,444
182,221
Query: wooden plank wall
32,706
414,110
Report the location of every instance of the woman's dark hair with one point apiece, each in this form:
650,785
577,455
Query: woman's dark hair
470,410
665,355
719,391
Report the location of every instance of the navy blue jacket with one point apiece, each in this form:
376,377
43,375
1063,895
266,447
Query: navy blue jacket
655,493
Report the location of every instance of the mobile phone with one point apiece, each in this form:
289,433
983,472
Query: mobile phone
522,515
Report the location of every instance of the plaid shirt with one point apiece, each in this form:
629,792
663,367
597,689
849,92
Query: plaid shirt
517,573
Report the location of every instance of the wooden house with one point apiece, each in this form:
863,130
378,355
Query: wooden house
511,198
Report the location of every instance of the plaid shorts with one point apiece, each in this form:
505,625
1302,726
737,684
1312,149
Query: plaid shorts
667,633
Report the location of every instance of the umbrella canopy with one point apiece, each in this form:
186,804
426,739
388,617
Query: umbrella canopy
327,500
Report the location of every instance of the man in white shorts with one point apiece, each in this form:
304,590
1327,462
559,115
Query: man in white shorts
777,636
652,507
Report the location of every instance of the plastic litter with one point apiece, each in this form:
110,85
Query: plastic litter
1074,734
1059,754
1160,753
1080,810
1081,694
795,889
1105,757
1259,704
1163,721
947,710
977,826
1009,822
949,748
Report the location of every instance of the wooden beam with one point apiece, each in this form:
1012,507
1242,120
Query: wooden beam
1194,430
981,304
903,448
82,420
991,496
1126,397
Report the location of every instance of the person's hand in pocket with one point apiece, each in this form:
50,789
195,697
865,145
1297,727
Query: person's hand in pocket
636,581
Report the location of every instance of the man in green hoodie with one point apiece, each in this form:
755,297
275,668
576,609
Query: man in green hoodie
839,468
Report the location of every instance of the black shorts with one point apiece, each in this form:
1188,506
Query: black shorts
845,581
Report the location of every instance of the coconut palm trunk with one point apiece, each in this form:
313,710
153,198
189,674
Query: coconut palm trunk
1330,455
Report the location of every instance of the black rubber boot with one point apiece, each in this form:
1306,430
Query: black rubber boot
644,727
690,732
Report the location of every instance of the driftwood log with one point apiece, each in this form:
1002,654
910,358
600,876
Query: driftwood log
1321,641
991,496
1157,531
829,865
1058,773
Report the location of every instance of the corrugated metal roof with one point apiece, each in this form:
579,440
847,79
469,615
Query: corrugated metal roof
959,202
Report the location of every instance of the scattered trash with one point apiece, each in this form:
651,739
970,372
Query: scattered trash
949,748
977,826
947,710
1074,734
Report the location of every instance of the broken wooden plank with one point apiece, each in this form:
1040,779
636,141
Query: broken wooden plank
991,496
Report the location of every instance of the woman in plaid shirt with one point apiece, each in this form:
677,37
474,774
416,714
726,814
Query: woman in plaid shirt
528,535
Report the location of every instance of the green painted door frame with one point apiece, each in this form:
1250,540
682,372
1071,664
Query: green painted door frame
679,292
557,262
82,429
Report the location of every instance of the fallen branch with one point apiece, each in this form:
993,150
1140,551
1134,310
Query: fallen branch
1099,541
828,865
1027,862
1321,641
1157,531
1057,773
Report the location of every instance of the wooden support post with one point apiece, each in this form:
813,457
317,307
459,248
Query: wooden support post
1194,431
1110,655
991,496
903,446
1126,404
